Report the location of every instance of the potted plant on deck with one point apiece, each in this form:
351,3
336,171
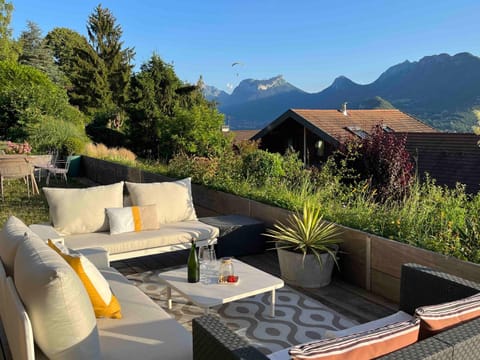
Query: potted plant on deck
307,247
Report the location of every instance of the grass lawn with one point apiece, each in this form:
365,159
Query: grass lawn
30,210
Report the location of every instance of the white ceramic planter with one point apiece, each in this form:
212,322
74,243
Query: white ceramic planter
308,273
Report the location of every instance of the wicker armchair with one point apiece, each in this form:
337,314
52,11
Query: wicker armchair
419,286
16,168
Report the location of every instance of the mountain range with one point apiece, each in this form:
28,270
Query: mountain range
440,90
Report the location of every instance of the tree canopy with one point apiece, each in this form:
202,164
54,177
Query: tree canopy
64,81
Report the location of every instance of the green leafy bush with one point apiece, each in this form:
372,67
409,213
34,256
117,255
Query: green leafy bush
51,133
261,167
29,102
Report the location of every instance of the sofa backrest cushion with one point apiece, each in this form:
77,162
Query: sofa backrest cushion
16,324
132,218
3,279
366,345
60,311
437,318
104,303
173,199
79,211
11,236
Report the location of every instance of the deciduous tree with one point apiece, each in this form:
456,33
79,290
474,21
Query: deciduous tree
8,48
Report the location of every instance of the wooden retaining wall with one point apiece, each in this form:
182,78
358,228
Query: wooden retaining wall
368,261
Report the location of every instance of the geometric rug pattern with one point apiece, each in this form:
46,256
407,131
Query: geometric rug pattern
298,318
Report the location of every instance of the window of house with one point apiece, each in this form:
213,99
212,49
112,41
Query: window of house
387,128
362,134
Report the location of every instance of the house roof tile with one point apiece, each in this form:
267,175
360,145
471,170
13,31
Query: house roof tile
335,123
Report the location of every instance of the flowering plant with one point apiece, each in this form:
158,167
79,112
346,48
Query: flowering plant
14,148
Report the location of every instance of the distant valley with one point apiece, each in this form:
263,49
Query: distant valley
440,90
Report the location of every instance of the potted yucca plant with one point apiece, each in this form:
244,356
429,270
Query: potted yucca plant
307,247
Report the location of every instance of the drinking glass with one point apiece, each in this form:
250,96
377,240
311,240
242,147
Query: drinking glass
203,257
212,265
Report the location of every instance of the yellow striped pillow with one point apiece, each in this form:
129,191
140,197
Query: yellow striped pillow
133,218
105,304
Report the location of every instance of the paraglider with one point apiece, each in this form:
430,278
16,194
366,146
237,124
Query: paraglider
237,63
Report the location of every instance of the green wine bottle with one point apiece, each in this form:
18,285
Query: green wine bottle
193,265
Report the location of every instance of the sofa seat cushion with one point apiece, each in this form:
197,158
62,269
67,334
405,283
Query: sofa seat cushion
366,345
371,325
168,234
145,331
437,318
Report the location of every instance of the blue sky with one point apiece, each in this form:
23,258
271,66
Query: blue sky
310,42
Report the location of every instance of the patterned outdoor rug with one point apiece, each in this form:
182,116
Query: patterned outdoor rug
298,318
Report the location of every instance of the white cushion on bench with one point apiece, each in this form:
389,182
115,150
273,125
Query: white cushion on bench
145,331
75,211
168,234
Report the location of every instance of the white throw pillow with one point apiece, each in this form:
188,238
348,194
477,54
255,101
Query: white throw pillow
173,199
60,311
11,236
80,211
132,218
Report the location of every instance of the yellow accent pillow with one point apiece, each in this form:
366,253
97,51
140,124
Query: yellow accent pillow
105,304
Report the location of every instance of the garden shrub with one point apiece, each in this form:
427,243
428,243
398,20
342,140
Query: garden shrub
50,134
27,97
383,159
261,167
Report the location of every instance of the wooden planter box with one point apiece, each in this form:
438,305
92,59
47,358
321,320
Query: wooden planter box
368,261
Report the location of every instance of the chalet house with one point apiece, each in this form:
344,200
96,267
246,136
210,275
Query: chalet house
447,157
316,134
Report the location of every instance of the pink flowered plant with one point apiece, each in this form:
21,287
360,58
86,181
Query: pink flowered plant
14,148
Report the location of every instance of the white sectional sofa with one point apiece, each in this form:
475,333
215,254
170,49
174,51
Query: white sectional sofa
47,314
46,306
79,219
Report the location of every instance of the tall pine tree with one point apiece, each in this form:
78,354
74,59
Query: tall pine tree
104,36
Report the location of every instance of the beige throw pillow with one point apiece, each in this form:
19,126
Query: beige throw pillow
62,317
11,236
80,211
173,199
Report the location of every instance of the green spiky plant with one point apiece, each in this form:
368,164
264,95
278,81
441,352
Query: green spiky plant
307,233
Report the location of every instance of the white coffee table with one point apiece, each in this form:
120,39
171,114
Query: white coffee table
251,282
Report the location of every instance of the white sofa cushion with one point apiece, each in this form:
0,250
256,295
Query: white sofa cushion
168,234
3,279
17,324
11,236
173,199
145,332
60,311
77,211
